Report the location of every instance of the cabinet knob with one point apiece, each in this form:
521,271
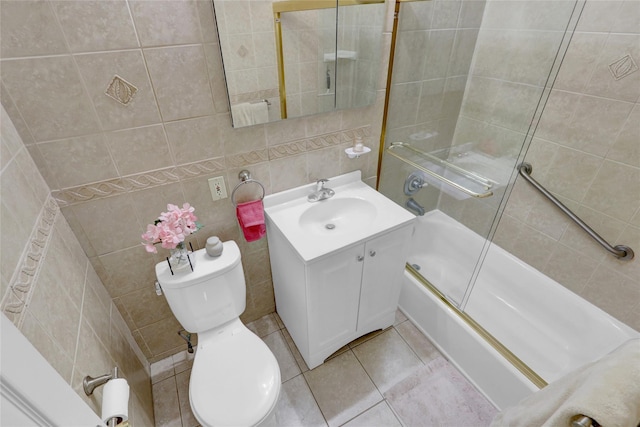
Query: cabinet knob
372,253
360,258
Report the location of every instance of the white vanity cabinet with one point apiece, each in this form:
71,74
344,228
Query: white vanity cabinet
353,292
337,264
328,302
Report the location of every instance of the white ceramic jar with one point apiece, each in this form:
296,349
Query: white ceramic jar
214,246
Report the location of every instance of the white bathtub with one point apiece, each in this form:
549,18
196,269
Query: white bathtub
445,252
548,327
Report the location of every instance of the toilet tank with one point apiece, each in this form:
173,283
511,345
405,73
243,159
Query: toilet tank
210,295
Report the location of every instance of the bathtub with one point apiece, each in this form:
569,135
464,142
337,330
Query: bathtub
546,326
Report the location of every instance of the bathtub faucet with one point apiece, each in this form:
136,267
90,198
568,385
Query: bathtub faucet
415,206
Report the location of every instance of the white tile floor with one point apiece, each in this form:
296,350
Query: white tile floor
368,382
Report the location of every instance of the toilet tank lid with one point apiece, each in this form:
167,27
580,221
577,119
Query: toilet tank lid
205,267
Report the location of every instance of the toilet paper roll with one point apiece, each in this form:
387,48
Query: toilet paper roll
115,400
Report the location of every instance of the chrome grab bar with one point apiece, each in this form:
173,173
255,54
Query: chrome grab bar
620,251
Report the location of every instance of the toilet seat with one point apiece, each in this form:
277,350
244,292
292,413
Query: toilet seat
235,379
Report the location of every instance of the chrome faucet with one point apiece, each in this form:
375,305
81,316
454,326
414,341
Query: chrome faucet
321,192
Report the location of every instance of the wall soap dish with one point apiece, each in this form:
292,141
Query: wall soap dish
353,154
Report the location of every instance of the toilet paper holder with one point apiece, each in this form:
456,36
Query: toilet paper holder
90,384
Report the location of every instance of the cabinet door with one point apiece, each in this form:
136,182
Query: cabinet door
385,257
332,300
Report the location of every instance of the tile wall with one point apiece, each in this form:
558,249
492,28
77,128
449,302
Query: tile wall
586,150
113,168
51,292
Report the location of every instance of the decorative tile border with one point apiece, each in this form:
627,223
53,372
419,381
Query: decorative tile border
324,141
288,149
249,158
100,190
142,181
21,283
317,143
363,132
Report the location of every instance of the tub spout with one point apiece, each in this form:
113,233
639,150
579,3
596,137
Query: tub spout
415,206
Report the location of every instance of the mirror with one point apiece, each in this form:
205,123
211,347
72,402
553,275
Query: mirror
295,58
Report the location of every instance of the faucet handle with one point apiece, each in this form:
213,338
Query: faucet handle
320,183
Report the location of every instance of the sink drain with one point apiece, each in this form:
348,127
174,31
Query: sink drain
330,226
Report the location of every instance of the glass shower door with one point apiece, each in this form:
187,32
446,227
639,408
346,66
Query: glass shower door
469,81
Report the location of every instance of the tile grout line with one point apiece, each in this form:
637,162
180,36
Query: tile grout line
324,417
284,328
409,345
384,399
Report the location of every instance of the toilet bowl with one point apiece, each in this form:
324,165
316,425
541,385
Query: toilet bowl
235,379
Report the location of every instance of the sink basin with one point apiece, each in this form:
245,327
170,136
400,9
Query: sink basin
337,216
355,213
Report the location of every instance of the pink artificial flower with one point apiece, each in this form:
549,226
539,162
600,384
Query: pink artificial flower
189,218
151,236
171,228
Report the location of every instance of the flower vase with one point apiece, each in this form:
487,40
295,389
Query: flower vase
180,258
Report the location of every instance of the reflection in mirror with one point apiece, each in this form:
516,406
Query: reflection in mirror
298,57
305,50
359,52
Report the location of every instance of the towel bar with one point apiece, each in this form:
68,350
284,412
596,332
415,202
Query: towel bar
245,178
266,101
470,176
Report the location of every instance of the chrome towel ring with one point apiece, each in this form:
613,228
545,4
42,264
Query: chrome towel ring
245,178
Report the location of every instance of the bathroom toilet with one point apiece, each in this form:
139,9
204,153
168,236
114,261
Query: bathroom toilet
235,379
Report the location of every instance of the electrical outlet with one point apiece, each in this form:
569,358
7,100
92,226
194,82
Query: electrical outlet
218,190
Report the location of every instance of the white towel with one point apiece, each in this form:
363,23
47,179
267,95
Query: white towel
246,113
607,391
260,112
